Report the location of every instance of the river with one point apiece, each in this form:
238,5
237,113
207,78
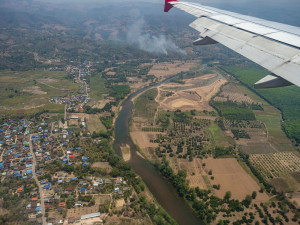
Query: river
162,190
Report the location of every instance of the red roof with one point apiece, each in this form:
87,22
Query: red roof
72,156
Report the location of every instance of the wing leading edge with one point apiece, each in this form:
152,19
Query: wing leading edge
272,45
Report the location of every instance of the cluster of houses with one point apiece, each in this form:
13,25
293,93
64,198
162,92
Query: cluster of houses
49,144
15,159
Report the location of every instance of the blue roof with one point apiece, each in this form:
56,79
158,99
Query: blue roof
85,164
38,209
83,189
84,158
78,148
74,178
29,171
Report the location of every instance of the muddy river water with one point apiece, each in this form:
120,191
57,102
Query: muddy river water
162,190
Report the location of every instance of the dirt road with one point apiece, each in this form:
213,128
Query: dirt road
38,183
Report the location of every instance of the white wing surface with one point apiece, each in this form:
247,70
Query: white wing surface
274,46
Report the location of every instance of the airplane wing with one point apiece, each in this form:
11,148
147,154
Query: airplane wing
274,46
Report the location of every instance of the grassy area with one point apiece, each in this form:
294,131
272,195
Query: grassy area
145,105
30,91
217,135
272,119
207,183
97,85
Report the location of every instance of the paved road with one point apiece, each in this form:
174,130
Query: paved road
38,183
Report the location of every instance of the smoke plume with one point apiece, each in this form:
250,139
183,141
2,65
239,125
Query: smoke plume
151,43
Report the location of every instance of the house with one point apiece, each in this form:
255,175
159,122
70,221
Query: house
62,204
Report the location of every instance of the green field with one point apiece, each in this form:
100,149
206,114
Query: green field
233,111
286,99
271,118
97,86
218,137
145,105
29,92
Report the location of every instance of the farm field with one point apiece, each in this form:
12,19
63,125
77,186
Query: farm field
232,177
272,119
166,69
93,122
30,91
278,97
97,86
264,121
276,164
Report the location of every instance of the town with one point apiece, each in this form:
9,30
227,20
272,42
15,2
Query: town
60,174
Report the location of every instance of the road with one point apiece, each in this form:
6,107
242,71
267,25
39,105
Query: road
38,183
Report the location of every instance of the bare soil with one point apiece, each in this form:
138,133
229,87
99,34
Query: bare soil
232,177
194,98
164,70
35,90
102,165
126,152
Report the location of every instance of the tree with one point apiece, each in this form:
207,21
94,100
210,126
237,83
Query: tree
227,195
254,194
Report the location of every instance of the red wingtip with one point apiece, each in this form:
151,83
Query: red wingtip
168,6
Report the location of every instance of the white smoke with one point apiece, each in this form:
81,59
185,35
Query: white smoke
150,43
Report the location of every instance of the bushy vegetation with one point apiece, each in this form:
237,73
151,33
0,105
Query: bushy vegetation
233,111
107,122
120,91
221,151
240,134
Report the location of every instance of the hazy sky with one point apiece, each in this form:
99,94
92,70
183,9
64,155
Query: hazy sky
284,11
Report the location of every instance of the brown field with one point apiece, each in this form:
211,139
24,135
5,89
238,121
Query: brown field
232,177
92,121
166,69
98,104
142,139
102,165
121,220
233,93
194,172
79,211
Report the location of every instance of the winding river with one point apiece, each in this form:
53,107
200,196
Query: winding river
162,190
